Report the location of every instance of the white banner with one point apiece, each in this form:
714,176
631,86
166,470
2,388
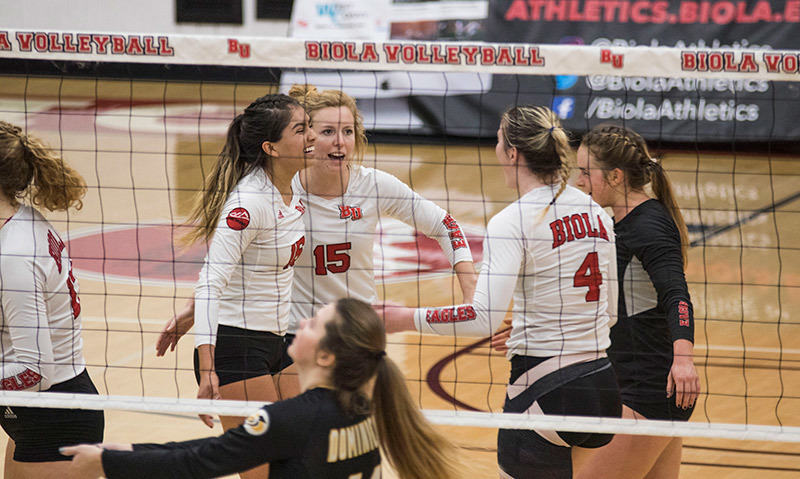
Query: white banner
722,64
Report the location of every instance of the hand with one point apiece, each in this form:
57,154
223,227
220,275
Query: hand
175,329
396,317
499,340
209,382
86,460
683,381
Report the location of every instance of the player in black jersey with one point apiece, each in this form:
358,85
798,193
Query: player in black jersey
652,343
332,430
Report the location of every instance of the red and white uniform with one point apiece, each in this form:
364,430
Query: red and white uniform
246,281
340,236
559,269
39,306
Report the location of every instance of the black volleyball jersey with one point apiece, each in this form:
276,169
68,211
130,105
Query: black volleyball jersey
308,436
654,304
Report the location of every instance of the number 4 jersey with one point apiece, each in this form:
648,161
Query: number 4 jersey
39,305
557,260
338,259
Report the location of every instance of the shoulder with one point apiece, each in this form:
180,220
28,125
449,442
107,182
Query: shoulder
650,218
19,234
509,219
252,201
300,411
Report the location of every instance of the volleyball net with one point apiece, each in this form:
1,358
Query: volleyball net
142,118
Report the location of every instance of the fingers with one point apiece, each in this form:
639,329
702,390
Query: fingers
499,340
69,451
207,419
670,385
167,338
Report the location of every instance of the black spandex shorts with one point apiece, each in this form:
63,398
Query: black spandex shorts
661,409
243,354
587,388
39,432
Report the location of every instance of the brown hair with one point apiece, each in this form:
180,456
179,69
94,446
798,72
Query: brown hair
29,168
313,101
357,339
264,120
536,132
618,147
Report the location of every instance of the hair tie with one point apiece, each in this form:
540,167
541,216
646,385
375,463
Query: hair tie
551,129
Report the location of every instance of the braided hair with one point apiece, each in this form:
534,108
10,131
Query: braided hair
537,134
614,146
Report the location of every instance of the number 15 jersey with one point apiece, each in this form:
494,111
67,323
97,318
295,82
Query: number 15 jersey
337,261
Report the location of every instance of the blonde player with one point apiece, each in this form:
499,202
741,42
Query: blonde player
40,312
253,221
552,252
345,202
354,402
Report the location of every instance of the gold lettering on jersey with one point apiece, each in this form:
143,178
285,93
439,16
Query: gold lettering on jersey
353,441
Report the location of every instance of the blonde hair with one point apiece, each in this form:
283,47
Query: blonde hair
314,100
537,134
29,168
357,339
618,147
264,120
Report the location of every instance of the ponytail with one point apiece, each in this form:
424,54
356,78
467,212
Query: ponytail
29,168
357,338
223,178
264,120
414,448
662,190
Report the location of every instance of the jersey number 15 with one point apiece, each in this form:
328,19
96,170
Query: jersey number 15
331,257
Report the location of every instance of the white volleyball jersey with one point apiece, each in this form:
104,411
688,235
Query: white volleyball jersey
39,305
246,281
340,233
559,269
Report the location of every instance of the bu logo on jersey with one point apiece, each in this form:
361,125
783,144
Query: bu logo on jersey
300,207
238,219
353,212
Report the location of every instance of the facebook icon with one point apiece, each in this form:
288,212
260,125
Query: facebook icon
564,106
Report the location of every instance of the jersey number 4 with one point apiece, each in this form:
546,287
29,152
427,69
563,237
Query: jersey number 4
589,275
331,257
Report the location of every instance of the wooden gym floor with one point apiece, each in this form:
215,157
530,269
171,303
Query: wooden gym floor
142,163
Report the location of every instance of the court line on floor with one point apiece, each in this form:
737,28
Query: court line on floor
755,214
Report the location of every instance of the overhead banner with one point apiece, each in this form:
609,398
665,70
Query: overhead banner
719,110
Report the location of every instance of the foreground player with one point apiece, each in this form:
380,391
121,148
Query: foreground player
652,343
345,202
552,251
42,349
253,221
354,402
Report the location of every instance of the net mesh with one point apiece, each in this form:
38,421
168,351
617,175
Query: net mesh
142,118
